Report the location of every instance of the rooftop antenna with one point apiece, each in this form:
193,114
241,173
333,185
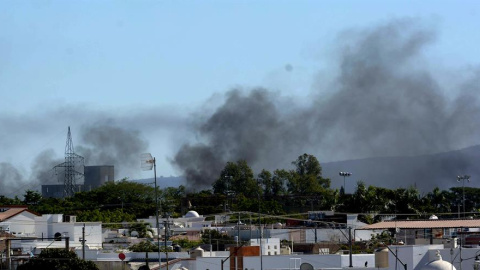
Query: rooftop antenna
72,162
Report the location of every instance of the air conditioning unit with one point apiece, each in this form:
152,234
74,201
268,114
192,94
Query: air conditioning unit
70,219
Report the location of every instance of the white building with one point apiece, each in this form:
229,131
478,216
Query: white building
190,225
18,220
40,231
270,246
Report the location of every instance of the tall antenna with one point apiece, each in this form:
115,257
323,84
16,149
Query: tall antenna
73,163
147,163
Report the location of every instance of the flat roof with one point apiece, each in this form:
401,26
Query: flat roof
424,224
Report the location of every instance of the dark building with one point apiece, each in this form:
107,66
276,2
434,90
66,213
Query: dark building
94,177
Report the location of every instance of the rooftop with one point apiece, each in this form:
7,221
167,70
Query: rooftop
424,224
9,211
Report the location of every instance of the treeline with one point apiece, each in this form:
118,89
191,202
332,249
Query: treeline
297,190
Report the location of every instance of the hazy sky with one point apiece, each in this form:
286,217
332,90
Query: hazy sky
135,76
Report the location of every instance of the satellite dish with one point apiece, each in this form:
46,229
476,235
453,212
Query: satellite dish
306,266
147,161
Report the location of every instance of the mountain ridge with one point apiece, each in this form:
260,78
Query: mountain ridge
424,172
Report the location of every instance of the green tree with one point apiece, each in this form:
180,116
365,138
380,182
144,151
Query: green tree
6,201
265,179
32,197
142,228
407,201
135,198
214,237
144,246
185,243
307,179
58,259
438,201
235,179
279,178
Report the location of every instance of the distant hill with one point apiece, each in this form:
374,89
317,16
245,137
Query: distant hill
425,172
163,182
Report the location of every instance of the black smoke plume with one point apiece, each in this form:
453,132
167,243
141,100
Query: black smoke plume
384,101
109,144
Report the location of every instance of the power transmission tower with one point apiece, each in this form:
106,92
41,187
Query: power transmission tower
73,163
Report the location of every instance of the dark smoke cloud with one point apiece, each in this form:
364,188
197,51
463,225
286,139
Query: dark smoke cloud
383,102
11,179
42,169
107,144
14,182
232,132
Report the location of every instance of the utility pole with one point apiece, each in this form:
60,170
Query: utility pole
147,163
166,225
210,240
260,231
83,241
9,259
238,229
350,245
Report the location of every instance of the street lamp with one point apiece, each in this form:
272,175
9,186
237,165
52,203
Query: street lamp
344,174
463,178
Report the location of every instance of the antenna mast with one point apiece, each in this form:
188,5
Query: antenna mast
72,162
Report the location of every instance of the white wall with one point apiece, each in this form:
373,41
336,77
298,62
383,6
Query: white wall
271,245
93,234
22,223
317,261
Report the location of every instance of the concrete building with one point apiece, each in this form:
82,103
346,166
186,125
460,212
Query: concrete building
18,220
39,231
190,225
94,177
269,246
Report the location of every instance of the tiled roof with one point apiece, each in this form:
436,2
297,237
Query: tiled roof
12,211
425,224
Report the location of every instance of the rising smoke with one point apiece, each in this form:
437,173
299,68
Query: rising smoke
11,177
107,144
383,102
100,143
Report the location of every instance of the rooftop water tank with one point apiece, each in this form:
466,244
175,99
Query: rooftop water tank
381,258
198,252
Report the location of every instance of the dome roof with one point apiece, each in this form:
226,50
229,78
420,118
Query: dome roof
191,214
438,264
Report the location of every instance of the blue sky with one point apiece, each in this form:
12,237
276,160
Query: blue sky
65,62
142,53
